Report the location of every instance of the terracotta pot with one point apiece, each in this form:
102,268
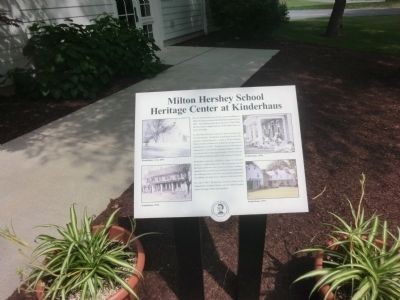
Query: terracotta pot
120,234
319,263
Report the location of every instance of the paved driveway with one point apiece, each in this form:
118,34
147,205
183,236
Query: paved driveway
319,13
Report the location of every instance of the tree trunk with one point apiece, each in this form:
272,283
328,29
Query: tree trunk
335,21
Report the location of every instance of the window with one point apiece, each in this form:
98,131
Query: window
145,8
126,11
148,30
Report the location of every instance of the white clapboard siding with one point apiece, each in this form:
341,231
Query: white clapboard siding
13,39
181,8
12,43
5,7
35,4
8,62
188,16
6,31
184,20
8,57
174,3
184,27
181,17
62,13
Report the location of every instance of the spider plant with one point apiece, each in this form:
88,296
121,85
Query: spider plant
80,261
362,258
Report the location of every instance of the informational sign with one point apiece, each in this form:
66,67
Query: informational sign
218,152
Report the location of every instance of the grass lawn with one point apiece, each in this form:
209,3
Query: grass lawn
281,192
372,34
306,4
310,4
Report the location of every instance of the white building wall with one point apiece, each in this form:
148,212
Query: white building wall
172,19
253,172
182,17
12,39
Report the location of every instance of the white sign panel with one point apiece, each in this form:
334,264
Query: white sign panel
218,152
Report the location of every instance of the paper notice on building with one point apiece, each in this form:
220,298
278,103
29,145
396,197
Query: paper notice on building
218,152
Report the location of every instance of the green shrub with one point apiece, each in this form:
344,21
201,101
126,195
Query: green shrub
127,50
248,17
72,60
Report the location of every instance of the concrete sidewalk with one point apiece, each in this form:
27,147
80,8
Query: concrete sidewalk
87,156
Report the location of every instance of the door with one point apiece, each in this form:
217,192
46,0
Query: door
145,18
137,13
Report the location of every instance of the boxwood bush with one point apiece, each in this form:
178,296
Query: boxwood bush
70,60
248,17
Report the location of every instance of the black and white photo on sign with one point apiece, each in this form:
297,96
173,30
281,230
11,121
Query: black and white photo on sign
271,179
268,133
167,183
166,138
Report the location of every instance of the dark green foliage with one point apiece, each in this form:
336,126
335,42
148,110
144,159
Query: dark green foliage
125,48
248,17
72,60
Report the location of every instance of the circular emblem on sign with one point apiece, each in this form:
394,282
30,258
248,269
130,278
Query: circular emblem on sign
220,211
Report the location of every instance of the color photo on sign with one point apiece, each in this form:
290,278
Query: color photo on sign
166,183
271,179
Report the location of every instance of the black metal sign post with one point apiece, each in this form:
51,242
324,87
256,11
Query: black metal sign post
252,230
188,250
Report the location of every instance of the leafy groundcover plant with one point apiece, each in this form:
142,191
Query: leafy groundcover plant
362,259
81,263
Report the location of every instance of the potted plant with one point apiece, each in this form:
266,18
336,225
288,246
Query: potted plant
361,259
86,262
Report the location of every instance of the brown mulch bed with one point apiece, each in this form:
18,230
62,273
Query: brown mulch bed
19,115
349,106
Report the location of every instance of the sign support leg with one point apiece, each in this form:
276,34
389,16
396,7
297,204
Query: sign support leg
252,230
188,250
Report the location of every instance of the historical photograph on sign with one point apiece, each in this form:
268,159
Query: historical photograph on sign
271,179
164,138
268,134
166,183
